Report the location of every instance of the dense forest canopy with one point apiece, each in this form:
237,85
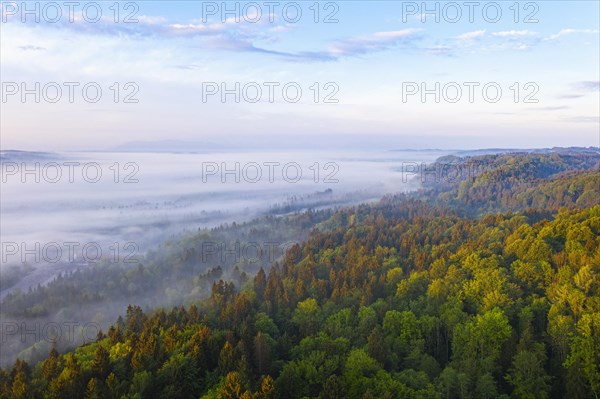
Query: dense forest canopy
486,286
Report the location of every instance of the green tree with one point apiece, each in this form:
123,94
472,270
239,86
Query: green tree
359,371
141,384
485,387
306,316
528,376
333,389
101,363
69,382
585,350
262,353
377,346
113,386
179,377
477,344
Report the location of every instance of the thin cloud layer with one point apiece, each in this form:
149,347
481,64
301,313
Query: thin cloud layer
588,85
514,33
469,36
233,35
570,31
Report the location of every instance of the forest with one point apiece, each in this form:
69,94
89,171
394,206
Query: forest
481,285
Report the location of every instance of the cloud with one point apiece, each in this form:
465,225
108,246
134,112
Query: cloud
231,35
569,96
187,67
517,39
581,88
587,85
442,51
510,40
30,47
348,47
552,108
567,32
583,119
377,41
191,29
514,33
281,28
469,36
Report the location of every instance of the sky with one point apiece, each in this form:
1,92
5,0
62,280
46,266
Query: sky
478,74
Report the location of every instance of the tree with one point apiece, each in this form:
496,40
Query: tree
333,389
377,346
179,377
69,383
576,386
477,344
528,376
262,354
112,386
20,385
306,316
93,389
585,350
134,320
226,359
260,282
367,319
267,388
447,383
4,384
485,388
50,365
340,324
141,384
402,332
359,370
266,325
233,387
101,363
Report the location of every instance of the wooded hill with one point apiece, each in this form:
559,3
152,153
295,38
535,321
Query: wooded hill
487,287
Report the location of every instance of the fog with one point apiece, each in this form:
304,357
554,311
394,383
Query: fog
120,205
144,197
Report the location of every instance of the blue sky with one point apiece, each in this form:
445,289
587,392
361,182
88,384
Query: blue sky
546,64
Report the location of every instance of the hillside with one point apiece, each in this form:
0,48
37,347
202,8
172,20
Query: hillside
514,182
480,288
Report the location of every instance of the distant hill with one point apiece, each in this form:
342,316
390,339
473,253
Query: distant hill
517,181
27,156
